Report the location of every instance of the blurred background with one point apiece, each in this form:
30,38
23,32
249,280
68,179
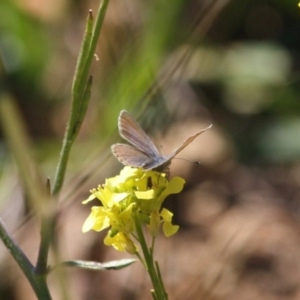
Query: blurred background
177,67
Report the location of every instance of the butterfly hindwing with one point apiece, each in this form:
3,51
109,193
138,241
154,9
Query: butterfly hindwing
130,156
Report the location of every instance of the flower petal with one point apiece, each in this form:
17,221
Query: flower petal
146,195
90,198
117,197
175,185
97,220
169,229
166,215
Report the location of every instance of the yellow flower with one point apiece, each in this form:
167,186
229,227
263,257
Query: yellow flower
121,242
165,217
134,192
97,220
168,228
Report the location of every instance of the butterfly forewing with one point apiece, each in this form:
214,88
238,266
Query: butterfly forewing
162,162
188,141
131,131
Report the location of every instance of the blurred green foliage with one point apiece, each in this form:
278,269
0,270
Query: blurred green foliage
24,45
234,63
246,65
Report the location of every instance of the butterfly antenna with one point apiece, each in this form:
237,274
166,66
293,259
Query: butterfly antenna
191,161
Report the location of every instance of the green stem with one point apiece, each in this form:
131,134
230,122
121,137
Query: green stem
79,80
78,88
37,281
94,40
160,279
80,91
159,292
47,228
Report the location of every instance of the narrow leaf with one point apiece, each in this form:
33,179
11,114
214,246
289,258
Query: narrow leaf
96,266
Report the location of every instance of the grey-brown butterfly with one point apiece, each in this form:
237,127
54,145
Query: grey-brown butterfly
142,153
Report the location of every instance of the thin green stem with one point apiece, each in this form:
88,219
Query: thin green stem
141,259
47,228
37,281
153,295
79,80
159,293
80,91
83,106
81,94
152,246
79,86
160,279
93,43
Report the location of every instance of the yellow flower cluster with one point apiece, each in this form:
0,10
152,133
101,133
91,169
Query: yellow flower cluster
134,194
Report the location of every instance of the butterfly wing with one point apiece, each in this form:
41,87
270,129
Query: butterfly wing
162,162
131,131
142,153
188,141
130,156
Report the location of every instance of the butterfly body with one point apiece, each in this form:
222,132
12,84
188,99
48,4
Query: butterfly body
142,153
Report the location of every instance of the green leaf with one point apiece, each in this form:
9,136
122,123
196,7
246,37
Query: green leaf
96,266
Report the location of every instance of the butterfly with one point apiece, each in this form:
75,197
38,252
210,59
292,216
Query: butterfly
142,153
